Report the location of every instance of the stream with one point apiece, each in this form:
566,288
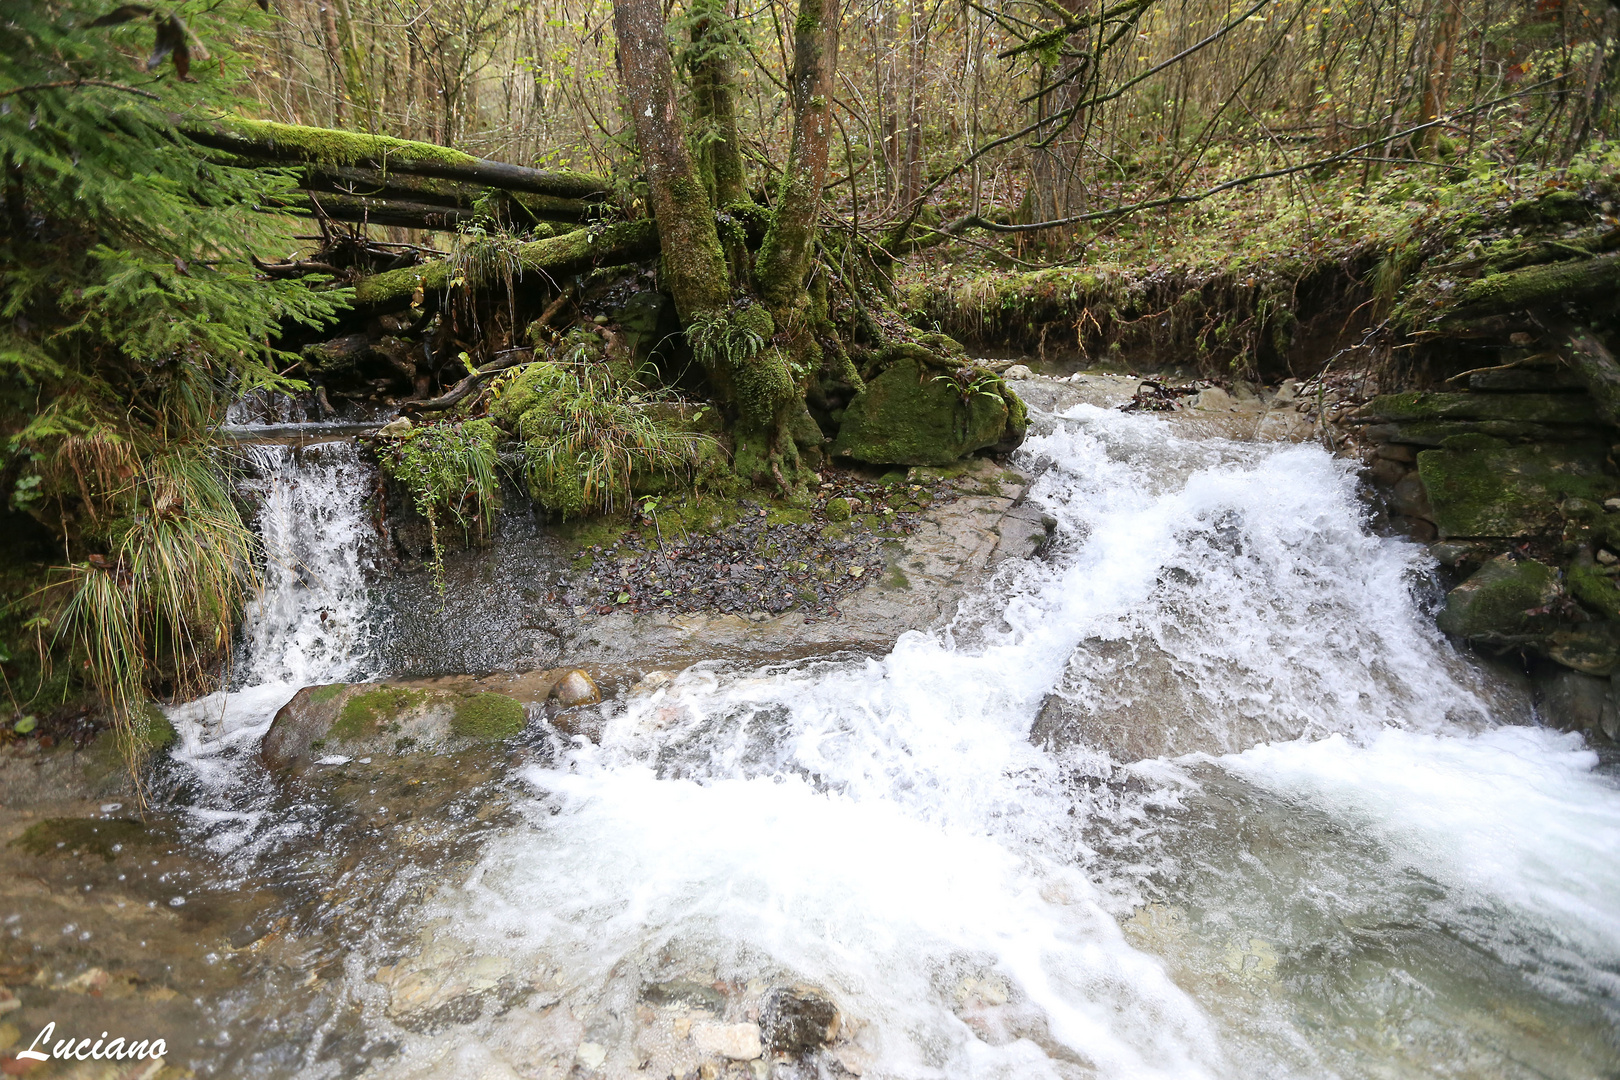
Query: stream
1199,792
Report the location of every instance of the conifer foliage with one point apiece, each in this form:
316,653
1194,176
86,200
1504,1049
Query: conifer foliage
129,312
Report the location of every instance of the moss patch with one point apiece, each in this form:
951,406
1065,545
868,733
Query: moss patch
366,714
488,716
1597,591
1522,408
1495,601
322,694
1509,491
906,417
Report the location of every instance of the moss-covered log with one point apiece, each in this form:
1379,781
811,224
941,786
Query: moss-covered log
459,198
290,144
1577,281
557,256
1585,352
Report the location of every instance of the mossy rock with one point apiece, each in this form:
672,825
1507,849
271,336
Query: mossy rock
906,417
1593,589
488,716
1419,405
367,720
1440,432
837,509
1495,602
1593,648
366,714
1510,491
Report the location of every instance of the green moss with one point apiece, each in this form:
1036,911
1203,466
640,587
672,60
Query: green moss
1510,492
366,714
837,510
1522,408
1496,600
322,694
1597,591
329,146
73,836
907,417
488,716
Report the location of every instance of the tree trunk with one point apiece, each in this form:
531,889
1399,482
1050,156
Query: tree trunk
714,93
784,259
1442,47
334,59
695,263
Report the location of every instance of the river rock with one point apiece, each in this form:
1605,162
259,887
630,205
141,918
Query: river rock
576,688
906,417
365,719
1572,701
1482,487
796,1021
1496,600
739,1042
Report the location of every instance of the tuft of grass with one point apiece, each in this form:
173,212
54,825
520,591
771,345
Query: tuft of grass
163,602
488,716
587,437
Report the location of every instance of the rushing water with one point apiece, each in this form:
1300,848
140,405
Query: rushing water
1201,792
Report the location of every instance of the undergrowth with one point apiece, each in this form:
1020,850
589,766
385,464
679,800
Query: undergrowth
448,469
161,604
588,439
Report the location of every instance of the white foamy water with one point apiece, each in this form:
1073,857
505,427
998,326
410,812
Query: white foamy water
311,622
890,831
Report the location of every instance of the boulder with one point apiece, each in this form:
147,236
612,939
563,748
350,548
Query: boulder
798,1020
576,688
913,414
1593,648
1486,488
1573,701
1496,600
367,719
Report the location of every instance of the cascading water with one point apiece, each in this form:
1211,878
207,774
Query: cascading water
1200,793
311,622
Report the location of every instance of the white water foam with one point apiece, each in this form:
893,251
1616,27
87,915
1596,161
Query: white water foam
887,829
1514,821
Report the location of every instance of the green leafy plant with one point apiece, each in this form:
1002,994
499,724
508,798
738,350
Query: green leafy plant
586,436
449,469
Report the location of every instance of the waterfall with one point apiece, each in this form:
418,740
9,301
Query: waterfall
1201,792
311,621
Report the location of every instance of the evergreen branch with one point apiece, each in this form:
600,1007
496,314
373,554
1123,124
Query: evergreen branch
75,83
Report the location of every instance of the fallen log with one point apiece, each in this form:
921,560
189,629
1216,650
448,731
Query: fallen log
553,258
1576,281
290,144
